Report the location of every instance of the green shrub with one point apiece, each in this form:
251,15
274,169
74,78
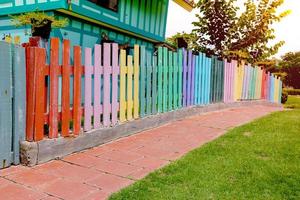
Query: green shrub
284,97
291,91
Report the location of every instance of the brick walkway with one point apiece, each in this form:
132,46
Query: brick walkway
98,172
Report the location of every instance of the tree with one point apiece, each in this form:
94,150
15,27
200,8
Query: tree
214,26
221,31
289,66
254,29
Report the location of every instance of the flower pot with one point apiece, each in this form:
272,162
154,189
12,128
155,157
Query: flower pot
181,43
42,30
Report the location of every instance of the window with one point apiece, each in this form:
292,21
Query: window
109,4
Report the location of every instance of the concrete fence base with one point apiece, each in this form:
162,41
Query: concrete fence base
33,153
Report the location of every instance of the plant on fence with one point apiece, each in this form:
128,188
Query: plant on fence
222,31
189,38
41,23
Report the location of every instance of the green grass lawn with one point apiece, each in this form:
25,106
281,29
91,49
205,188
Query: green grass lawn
293,102
260,160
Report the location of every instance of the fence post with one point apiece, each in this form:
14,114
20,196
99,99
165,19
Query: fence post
19,103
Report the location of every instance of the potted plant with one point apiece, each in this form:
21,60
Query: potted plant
41,23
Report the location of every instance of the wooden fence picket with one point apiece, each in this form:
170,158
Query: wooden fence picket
129,88
197,80
142,81
154,85
77,91
180,77
115,74
65,110
40,92
31,85
184,78
189,79
98,71
53,107
160,80
136,82
192,102
106,83
123,71
148,83
88,70
165,79
175,80
170,80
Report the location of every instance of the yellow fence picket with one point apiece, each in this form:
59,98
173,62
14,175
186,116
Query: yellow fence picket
123,71
129,88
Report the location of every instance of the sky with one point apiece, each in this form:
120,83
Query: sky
288,29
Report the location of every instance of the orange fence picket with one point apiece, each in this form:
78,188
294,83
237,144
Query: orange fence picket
65,112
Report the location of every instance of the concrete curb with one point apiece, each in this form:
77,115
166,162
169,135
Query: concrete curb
33,153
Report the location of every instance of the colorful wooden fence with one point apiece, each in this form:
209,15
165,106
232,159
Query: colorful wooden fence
109,86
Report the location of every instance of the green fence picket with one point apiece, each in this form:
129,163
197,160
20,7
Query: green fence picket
148,84
170,81
142,81
159,80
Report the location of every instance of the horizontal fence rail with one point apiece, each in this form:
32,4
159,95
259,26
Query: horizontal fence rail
103,86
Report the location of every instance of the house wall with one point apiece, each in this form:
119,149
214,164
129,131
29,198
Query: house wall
145,19
79,32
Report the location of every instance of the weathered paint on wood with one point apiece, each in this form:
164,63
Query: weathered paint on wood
19,102
12,102
53,107
5,104
77,91
65,111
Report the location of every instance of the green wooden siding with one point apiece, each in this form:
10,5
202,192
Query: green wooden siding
141,18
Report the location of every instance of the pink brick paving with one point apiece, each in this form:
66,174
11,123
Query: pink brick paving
96,173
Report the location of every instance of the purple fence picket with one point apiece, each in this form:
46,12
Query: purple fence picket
106,84
98,71
189,79
193,79
115,73
227,69
87,89
184,78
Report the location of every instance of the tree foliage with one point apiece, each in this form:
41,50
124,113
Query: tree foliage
222,31
214,26
289,68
